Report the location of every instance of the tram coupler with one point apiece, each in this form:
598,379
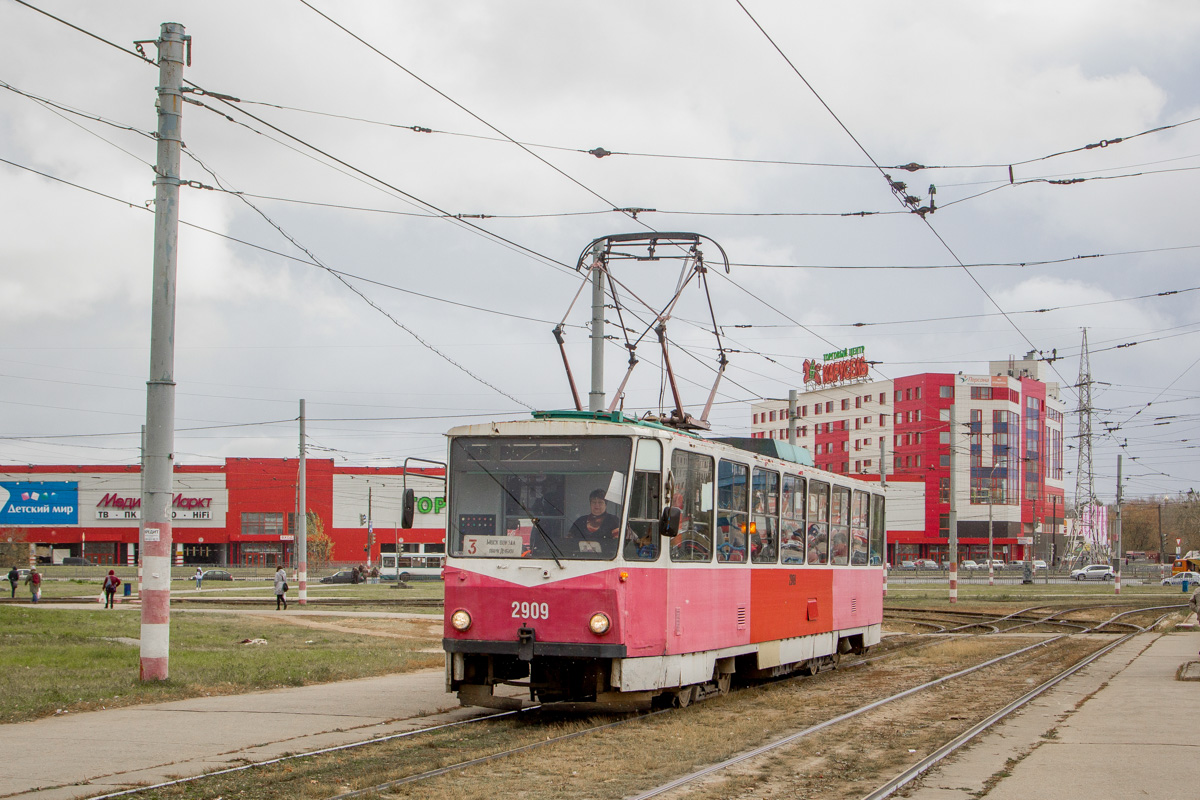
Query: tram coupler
525,640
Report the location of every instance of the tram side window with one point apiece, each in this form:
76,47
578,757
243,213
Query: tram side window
692,490
733,506
859,528
764,522
839,528
818,523
645,503
877,529
791,532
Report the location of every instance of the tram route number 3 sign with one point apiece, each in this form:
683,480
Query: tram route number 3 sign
493,546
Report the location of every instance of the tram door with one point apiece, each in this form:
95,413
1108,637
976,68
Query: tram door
691,483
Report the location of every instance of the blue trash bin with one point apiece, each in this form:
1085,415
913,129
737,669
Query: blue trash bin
1184,584
128,589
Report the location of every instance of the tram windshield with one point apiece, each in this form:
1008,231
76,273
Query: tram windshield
537,497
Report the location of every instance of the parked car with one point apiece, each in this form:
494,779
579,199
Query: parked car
1094,572
1039,564
1192,578
927,563
341,576
997,563
907,565
968,564
215,575
76,561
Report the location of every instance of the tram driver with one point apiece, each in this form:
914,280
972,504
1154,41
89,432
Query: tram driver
598,531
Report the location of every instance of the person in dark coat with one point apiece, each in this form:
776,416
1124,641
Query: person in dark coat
111,582
14,577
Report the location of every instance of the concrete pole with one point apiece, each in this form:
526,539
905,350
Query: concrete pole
141,493
160,389
991,537
596,395
792,417
302,518
953,505
1117,555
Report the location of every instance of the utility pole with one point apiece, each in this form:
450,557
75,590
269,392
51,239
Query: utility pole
160,389
953,504
302,517
596,395
991,537
792,417
1117,555
370,526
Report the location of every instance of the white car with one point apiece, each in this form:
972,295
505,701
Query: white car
1039,564
1192,578
969,564
1094,572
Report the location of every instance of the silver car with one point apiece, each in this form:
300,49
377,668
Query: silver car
1094,572
1192,578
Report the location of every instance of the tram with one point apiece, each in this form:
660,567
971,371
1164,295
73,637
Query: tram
598,559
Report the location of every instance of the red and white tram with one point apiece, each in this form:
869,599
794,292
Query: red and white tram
594,558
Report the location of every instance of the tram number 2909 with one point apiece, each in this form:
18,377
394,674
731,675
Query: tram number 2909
530,610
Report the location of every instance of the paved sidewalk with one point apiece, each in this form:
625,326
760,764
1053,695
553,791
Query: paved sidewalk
104,751
1122,727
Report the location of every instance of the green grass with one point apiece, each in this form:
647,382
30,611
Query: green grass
54,660
1089,591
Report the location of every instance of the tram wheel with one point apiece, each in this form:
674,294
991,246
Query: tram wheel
683,697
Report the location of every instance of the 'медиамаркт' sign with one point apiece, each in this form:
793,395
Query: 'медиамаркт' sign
40,503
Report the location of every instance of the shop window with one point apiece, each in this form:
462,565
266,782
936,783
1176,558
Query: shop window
258,524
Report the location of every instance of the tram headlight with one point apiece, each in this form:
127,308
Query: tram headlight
599,624
460,620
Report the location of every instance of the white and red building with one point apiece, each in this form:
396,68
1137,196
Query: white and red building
1008,451
239,512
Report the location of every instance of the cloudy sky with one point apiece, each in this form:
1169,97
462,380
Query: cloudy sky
363,135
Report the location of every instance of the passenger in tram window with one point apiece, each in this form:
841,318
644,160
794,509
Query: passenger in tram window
792,547
841,549
818,544
597,531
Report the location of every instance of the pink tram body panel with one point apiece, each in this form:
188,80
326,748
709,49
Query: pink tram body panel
645,611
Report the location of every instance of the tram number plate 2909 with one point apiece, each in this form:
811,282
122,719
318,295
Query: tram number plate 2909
521,610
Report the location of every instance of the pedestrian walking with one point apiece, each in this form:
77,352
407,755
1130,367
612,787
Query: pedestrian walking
111,582
199,576
1194,604
281,588
34,582
14,577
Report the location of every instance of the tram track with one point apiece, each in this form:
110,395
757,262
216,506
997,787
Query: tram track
532,717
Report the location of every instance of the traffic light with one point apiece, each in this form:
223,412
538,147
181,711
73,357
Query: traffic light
362,519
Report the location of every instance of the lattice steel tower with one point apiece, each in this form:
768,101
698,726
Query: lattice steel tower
1085,480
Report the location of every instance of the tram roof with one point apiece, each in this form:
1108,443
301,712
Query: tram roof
773,448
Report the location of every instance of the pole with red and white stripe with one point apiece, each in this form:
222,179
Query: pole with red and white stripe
302,519
159,457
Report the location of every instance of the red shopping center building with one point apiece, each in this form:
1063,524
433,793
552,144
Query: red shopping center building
239,512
